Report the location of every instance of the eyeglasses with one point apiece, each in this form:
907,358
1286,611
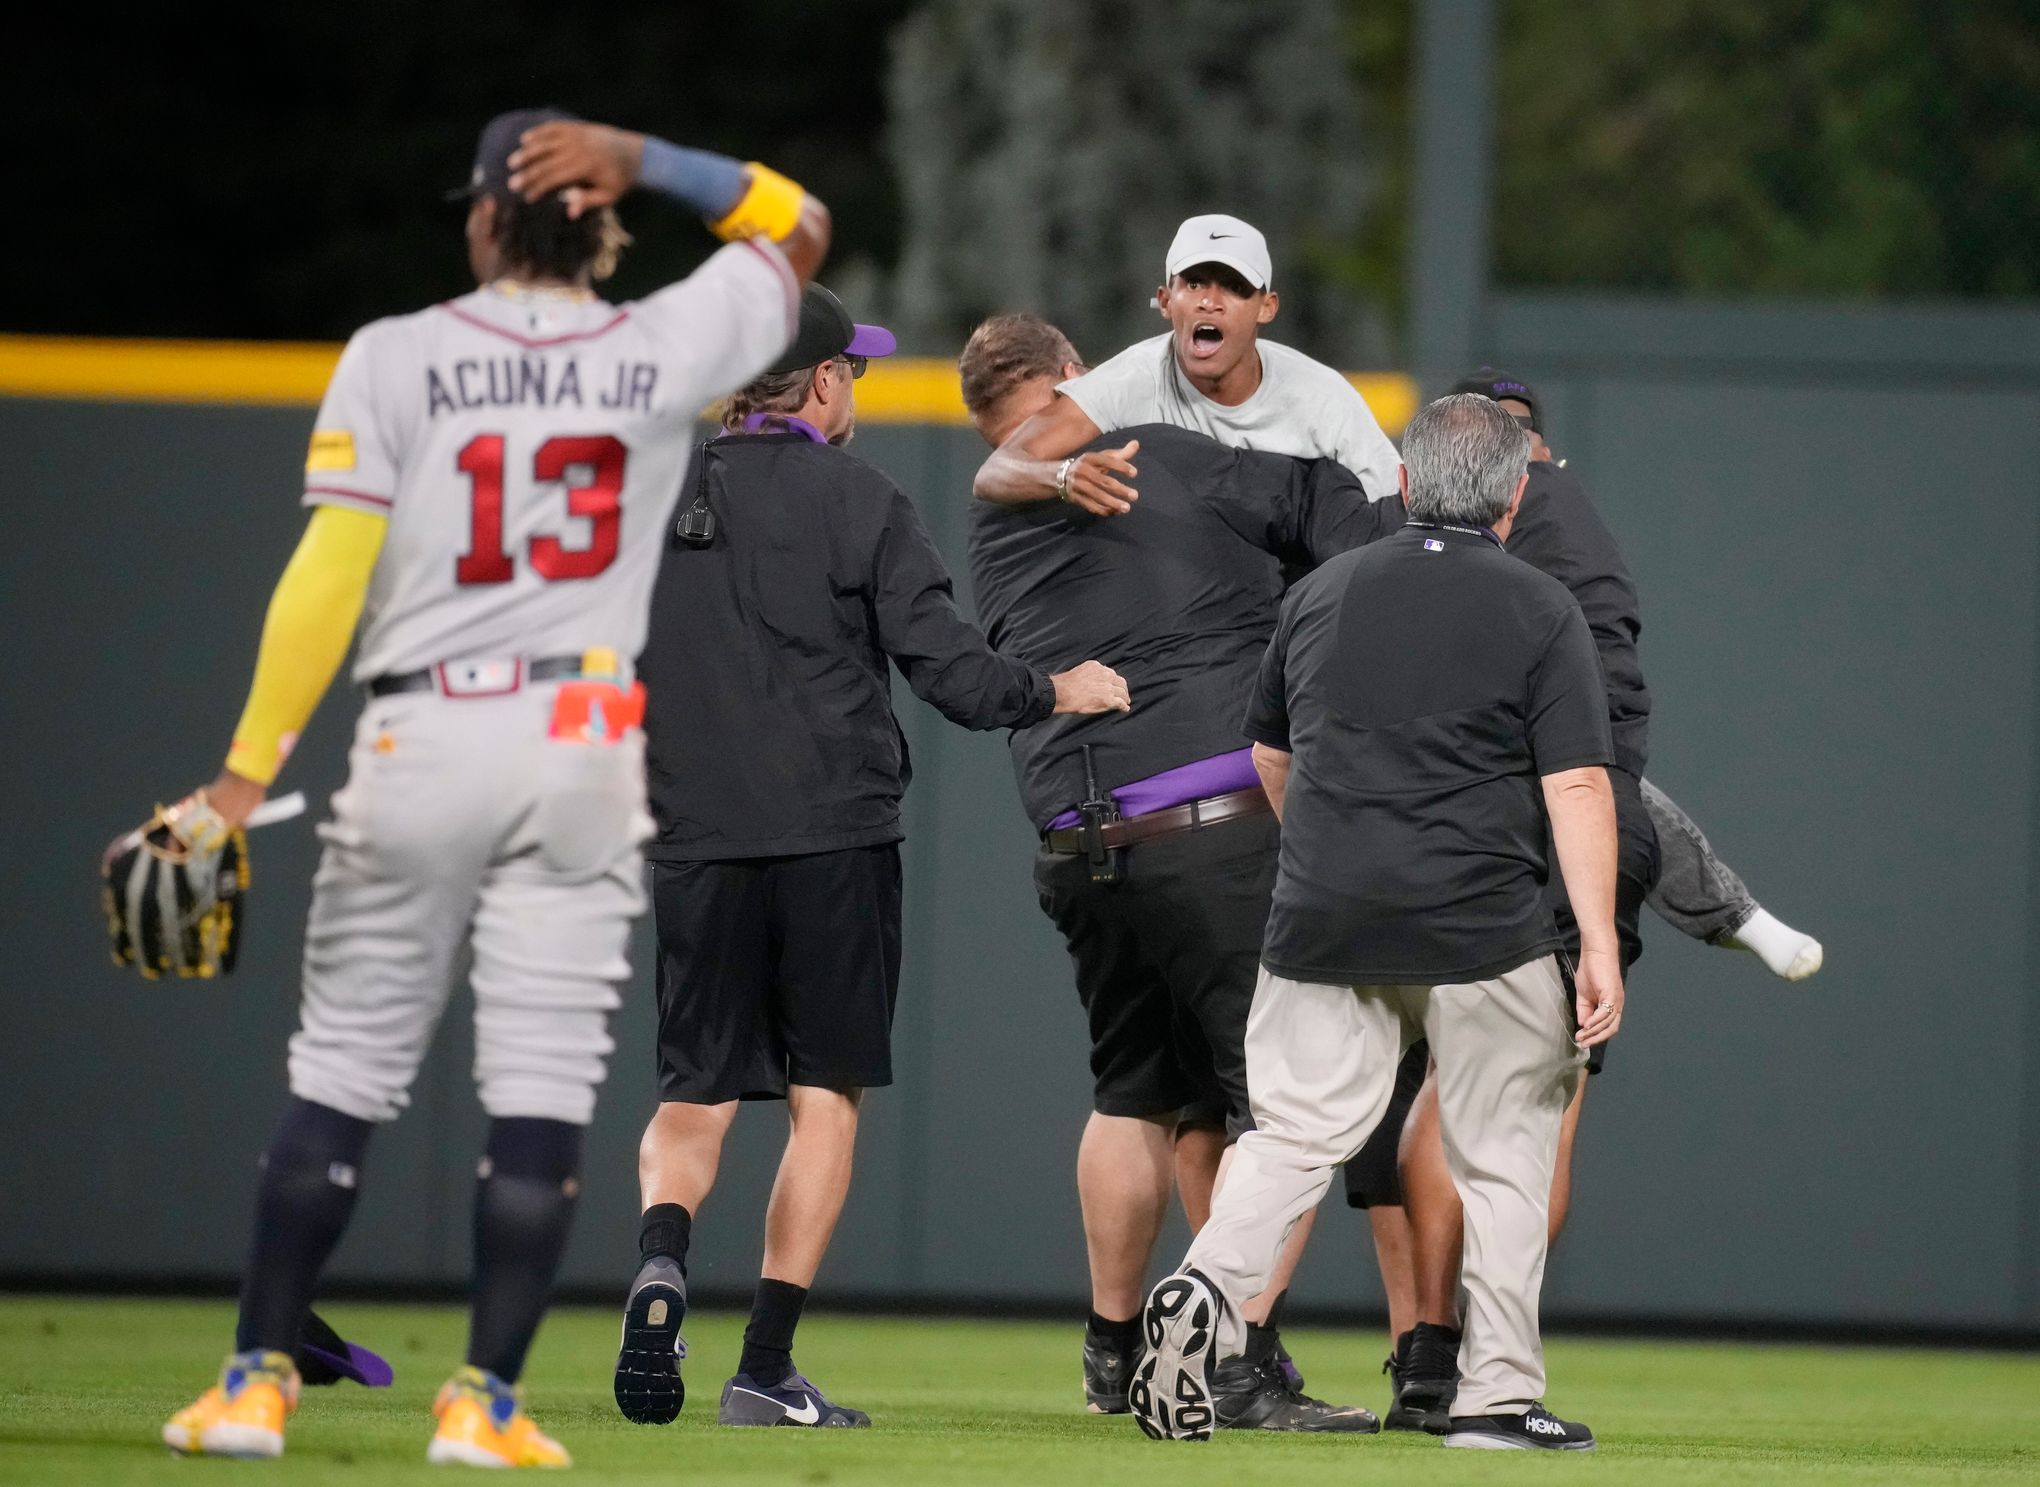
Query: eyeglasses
857,364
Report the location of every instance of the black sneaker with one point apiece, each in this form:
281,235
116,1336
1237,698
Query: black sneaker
1108,1368
1253,1395
792,1401
648,1387
1170,1394
1426,1377
1536,1429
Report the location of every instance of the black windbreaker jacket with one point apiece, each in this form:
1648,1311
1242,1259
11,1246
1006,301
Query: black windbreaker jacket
769,724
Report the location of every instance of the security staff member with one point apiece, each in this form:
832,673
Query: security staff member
1162,907
795,574
1557,531
1428,711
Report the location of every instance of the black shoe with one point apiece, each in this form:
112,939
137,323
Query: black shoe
1536,1429
792,1401
1108,1368
1252,1394
1170,1394
1392,1366
1426,1374
648,1387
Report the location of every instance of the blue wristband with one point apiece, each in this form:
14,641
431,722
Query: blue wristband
711,184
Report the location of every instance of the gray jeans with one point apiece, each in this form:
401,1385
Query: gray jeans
1697,893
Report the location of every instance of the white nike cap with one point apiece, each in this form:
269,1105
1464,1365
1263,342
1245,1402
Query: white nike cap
1217,238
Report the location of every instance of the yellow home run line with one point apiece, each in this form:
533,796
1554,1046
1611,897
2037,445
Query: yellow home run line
903,389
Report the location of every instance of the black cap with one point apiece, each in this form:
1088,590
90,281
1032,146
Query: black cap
500,137
1490,383
827,332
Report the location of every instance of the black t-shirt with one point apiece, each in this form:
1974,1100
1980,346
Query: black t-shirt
1558,531
1179,596
1423,685
769,724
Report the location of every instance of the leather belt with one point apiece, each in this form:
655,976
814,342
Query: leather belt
447,678
1186,817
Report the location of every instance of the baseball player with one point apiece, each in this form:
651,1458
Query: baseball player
489,481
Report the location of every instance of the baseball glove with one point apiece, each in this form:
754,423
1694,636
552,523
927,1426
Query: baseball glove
174,892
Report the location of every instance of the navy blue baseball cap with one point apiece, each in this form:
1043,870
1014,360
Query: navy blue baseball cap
499,141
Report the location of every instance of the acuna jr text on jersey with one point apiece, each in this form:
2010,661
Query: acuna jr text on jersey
537,381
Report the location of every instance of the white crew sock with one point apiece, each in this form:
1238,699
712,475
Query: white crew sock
1778,945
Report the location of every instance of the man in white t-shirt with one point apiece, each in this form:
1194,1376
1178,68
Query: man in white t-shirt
1211,371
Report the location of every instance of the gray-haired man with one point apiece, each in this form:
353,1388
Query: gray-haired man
1430,722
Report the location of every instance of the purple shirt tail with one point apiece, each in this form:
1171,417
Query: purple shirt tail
1221,774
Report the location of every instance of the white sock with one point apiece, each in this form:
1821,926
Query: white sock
1778,945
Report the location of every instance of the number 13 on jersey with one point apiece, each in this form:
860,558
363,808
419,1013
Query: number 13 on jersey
600,456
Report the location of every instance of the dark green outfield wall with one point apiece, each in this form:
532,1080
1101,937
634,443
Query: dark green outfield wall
1837,555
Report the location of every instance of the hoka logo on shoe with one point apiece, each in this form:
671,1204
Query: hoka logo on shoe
1543,1426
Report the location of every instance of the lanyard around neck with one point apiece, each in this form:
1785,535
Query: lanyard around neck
1447,526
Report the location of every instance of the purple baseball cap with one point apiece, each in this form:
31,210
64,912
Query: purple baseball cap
827,332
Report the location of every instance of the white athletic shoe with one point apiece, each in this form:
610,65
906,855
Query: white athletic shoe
1171,1394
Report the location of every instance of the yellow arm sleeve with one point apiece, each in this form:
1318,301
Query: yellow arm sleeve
304,639
769,207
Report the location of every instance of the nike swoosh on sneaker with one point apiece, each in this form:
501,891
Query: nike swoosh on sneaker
807,1414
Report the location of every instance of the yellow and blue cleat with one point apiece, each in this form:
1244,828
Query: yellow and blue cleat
482,1423
243,1414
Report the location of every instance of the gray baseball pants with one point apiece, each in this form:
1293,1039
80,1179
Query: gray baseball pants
467,840
1321,1064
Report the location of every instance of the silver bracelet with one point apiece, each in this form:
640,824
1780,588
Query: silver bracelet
1062,477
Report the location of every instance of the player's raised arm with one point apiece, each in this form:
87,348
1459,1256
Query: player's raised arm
1038,463
592,165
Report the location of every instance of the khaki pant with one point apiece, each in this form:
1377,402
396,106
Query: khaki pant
1320,1068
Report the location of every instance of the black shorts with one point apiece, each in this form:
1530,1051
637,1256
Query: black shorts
1636,873
1374,1172
777,971
1166,961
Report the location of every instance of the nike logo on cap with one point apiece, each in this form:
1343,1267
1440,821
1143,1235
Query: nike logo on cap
1217,235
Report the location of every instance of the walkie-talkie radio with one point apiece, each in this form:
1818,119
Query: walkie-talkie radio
1098,811
696,526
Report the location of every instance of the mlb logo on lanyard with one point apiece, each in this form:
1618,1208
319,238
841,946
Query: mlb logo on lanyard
1432,544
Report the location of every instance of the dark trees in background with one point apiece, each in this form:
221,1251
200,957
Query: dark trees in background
1873,148
276,171
1047,149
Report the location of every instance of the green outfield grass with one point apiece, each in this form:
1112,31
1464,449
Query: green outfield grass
84,1386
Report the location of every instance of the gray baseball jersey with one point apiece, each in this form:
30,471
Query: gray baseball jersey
1302,408
527,447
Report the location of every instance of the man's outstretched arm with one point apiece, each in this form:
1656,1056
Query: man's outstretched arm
1038,462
